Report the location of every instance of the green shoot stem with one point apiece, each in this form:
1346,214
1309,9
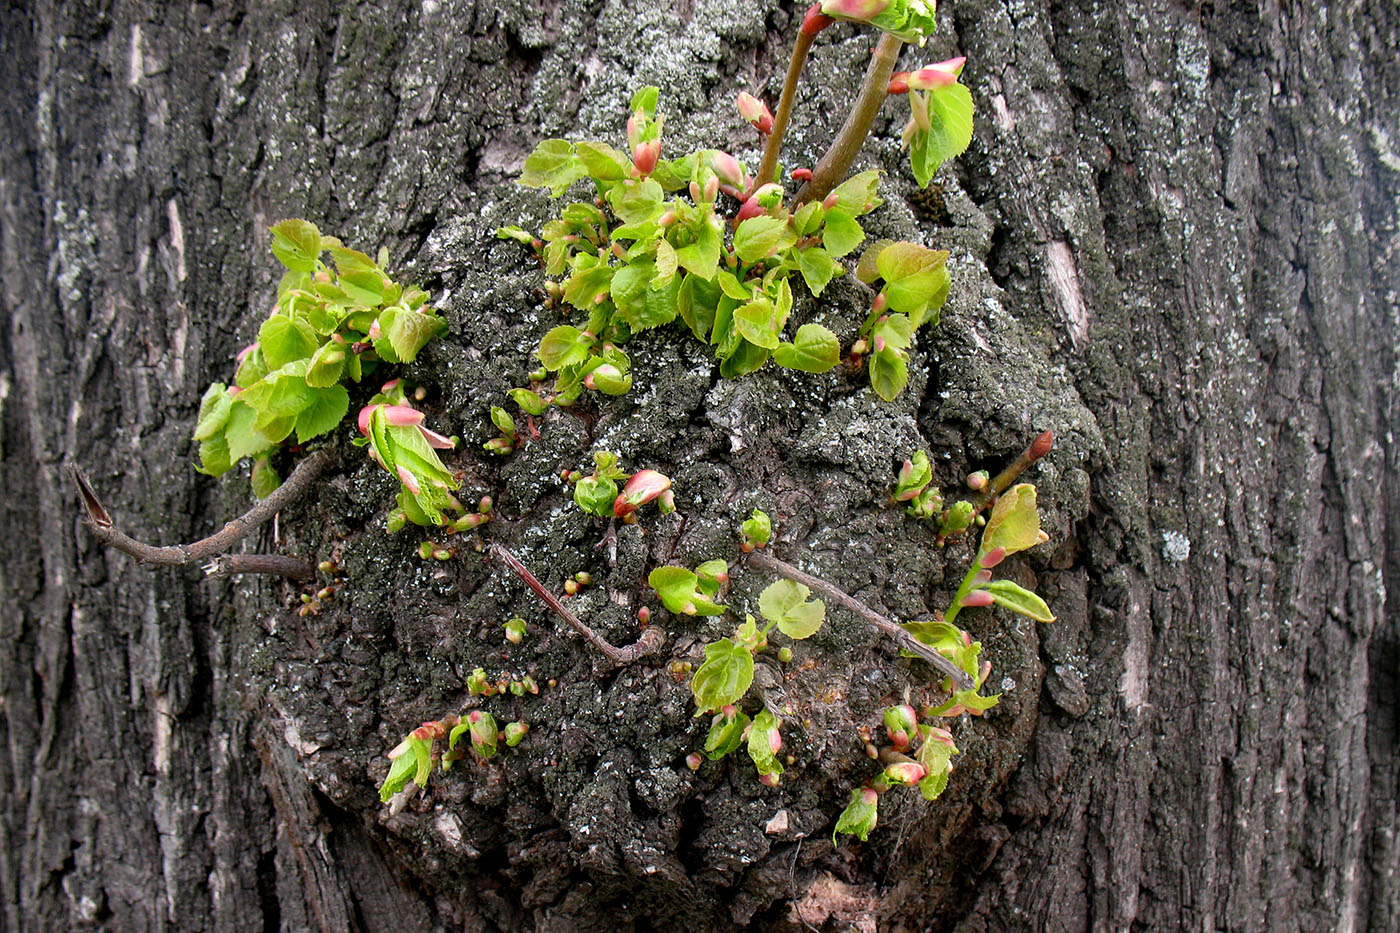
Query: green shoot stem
1003,480
834,165
963,589
769,166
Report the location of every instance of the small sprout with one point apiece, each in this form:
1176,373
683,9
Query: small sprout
442,553
515,631
694,760
425,550
644,615
583,577
785,654
571,587
904,772
485,505
517,688
644,487
755,531
515,732
482,727
978,481
902,725
478,685
860,815
327,566
755,112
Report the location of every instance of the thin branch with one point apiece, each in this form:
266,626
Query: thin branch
183,555
769,166
832,168
887,626
282,565
999,484
648,643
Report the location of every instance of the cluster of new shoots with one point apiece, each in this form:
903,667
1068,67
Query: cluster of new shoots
701,239
928,768
330,326
438,741
598,493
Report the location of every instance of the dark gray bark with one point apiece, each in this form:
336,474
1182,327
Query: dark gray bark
1174,241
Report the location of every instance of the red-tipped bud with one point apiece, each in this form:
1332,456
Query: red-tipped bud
694,760
571,587
402,416
666,502
363,420
815,20
667,219
694,191
246,351
750,208
1041,445
374,332
801,174
879,343
934,76
410,482
899,83
901,722
645,486
645,157
635,124
831,201
727,169
880,303
978,598
644,615
905,772
982,577
711,188
769,779
755,112
993,557
977,481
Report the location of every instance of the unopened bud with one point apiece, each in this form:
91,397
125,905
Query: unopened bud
425,550
801,174
442,553
645,156
515,731
515,631
880,303
769,779
977,481
666,503
711,188
859,347
755,112
727,169
644,615
694,760
571,587
785,654
583,577
830,201
327,566
978,598
993,557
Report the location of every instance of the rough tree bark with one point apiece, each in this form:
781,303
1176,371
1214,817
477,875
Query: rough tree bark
1174,243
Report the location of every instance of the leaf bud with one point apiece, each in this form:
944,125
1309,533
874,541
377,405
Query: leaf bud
860,815
693,761
755,112
515,631
442,553
784,654
570,587
644,615
666,503
901,722
396,520
425,550
978,481
727,169
769,779
801,174
515,731
904,772
978,598
645,486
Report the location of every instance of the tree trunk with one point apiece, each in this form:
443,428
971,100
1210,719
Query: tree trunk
1174,244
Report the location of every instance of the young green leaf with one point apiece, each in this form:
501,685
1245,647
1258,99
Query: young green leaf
414,762
765,743
726,733
841,232
328,406
947,111
603,162
723,678
529,402
814,350
784,603
1014,523
595,495
889,373
817,268
552,165
677,588
563,346
264,479
757,322
282,340
860,815
942,637
1018,599
763,236
296,244
702,257
214,410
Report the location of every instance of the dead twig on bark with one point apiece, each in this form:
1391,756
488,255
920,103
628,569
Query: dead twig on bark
887,626
184,555
648,643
